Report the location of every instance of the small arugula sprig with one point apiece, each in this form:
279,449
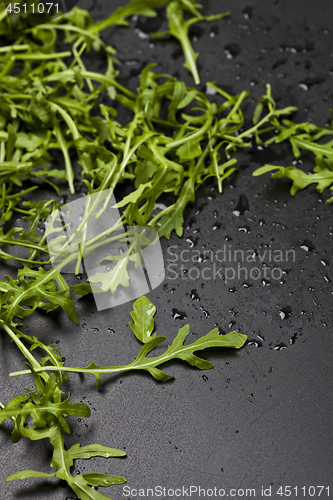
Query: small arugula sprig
179,29
143,327
301,136
44,404
48,412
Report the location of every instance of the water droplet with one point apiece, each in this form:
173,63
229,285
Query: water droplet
285,312
256,343
200,208
280,346
216,226
192,221
210,90
292,339
261,222
205,378
247,285
191,242
244,229
308,246
324,262
303,86
94,329
110,330
178,314
248,13
194,295
242,205
141,34
327,279
206,313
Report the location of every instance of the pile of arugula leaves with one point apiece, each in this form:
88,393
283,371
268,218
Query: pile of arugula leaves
176,138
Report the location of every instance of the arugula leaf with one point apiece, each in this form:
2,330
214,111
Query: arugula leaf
24,474
323,176
142,327
179,28
143,316
94,450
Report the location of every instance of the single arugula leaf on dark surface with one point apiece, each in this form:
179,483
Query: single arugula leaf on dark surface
143,319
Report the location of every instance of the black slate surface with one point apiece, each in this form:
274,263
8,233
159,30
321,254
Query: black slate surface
262,416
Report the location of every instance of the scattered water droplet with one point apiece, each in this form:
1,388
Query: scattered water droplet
141,34
178,314
242,205
247,285
200,208
194,295
308,246
206,313
205,378
292,339
131,62
110,330
210,90
303,86
280,346
255,343
190,242
244,229
285,312
247,13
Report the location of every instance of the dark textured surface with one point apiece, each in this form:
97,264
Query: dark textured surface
262,416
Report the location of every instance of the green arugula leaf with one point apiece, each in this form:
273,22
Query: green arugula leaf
143,316
94,450
24,474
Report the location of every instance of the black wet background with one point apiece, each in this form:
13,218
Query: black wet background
262,416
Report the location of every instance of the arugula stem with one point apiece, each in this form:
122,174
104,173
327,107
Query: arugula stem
68,163
42,57
9,48
4,241
9,66
197,134
34,363
71,125
93,76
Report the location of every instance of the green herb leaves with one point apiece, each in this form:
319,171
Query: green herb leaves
143,326
49,411
179,28
301,136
